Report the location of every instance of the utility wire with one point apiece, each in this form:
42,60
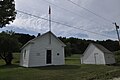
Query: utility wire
91,11
64,24
76,13
63,8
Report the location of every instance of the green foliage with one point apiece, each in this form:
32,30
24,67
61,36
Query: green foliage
8,42
23,38
117,56
110,45
78,46
74,45
20,38
7,12
8,45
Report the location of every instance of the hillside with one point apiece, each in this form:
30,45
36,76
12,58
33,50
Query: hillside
73,45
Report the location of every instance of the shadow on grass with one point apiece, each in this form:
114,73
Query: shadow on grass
61,67
9,66
117,65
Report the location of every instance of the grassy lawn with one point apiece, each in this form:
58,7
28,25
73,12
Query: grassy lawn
73,70
73,60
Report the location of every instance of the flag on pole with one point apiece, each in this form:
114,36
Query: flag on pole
49,10
116,26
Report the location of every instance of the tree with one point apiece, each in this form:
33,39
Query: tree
7,12
39,34
8,45
24,38
68,49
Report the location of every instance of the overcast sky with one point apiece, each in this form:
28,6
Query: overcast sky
65,12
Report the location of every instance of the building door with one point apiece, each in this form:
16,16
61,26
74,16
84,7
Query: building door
96,58
49,57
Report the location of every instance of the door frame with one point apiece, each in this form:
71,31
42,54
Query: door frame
95,57
48,63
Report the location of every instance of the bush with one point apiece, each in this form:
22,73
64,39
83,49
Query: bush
117,56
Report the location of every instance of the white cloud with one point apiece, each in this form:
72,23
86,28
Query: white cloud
70,15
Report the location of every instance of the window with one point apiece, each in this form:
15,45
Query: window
95,53
24,54
58,54
37,54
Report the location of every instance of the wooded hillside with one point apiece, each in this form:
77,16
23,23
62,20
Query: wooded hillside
73,45
78,46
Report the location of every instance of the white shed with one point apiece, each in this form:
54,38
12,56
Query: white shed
44,50
97,54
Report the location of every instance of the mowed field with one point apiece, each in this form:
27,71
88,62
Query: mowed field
72,70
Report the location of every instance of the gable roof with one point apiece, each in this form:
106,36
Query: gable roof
49,32
100,47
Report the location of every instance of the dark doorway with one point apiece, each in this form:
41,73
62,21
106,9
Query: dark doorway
49,57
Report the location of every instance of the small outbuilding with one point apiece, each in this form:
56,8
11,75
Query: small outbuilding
97,54
43,50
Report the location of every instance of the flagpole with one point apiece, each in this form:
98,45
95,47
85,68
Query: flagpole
49,18
49,24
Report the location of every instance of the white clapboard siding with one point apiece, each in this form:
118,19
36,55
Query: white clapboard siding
97,54
37,51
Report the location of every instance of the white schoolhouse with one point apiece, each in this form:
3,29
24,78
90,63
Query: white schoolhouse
44,50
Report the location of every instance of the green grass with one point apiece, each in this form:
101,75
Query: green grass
73,70
73,60
75,56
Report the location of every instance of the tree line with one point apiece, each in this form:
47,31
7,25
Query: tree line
78,46
11,42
